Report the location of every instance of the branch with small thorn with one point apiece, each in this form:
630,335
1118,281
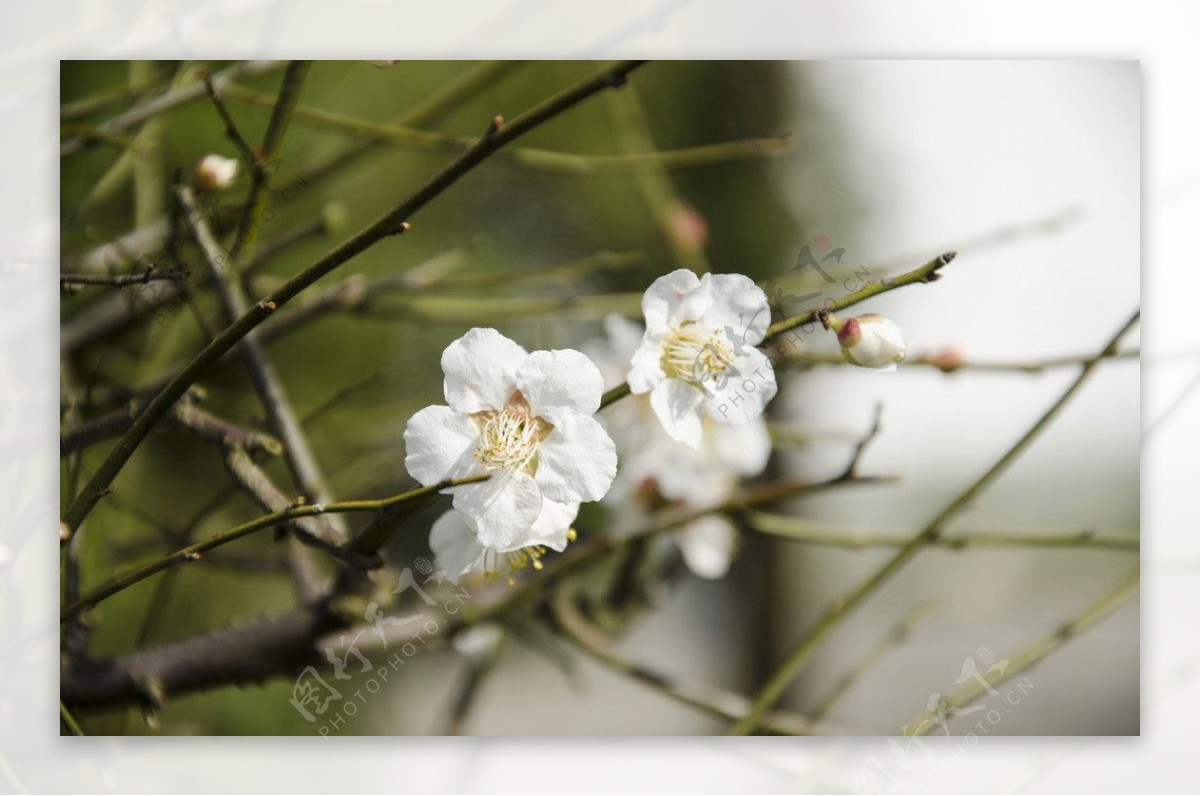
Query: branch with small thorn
69,281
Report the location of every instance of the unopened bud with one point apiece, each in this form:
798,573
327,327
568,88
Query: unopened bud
215,173
869,341
947,360
478,642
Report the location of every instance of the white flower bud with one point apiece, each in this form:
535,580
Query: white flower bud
870,340
478,642
216,173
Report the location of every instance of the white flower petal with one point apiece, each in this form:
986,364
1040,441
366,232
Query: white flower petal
503,508
676,403
478,641
560,383
439,443
645,368
454,546
691,476
576,461
551,527
747,391
481,370
624,335
670,297
612,351
739,307
708,545
743,450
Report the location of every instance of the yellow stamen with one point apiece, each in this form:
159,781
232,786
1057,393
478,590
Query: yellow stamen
695,354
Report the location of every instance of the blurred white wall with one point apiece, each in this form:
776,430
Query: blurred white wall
945,153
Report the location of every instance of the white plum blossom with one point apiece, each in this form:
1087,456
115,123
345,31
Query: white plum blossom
215,173
708,545
524,419
697,356
869,341
655,467
456,546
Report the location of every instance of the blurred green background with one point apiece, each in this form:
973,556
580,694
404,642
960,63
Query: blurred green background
357,376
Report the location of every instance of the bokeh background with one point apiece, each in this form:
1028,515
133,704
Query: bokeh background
1030,170
36,759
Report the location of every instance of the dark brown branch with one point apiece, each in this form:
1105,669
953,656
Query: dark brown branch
330,531
68,281
262,648
289,93
186,414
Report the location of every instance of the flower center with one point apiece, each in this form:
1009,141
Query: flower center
508,564
695,354
509,438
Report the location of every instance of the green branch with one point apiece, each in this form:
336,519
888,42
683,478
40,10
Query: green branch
926,273
171,99
547,160
898,635
800,530
281,114
803,649
950,361
195,551
1035,653
391,223
707,699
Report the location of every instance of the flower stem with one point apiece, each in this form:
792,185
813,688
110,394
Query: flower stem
926,273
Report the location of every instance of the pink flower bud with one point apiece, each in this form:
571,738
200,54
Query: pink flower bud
870,340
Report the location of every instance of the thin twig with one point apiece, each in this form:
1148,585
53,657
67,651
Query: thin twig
271,646
289,93
799,530
271,394
384,227
68,720
230,128
929,272
655,185
636,158
1035,653
186,414
123,280
804,647
147,153
165,102
585,554
105,99
898,635
195,551
103,317
951,361
707,699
